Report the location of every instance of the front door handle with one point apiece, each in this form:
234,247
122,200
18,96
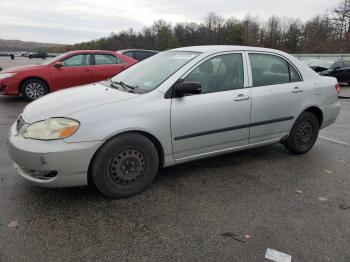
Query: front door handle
241,97
297,90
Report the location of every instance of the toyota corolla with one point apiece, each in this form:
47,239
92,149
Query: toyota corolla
177,106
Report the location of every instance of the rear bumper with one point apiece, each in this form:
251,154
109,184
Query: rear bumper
330,113
66,164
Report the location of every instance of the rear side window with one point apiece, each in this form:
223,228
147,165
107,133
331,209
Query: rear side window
129,54
141,55
271,70
105,59
77,60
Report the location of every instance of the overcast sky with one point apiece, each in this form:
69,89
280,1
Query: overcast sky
72,21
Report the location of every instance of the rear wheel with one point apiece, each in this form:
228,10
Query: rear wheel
304,133
125,165
33,89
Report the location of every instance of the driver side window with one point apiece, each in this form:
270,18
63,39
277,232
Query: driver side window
77,60
220,73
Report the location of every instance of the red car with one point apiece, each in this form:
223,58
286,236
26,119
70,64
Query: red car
67,70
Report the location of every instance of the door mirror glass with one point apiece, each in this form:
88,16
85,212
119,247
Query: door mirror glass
186,88
58,64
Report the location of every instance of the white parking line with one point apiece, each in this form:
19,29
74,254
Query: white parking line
277,256
334,140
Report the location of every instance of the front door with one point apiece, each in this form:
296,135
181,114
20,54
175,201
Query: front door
277,93
76,70
217,119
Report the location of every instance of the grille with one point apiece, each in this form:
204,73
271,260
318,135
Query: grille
20,123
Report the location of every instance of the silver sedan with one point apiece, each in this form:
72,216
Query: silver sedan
177,106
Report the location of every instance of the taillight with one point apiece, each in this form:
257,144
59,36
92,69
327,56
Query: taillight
337,88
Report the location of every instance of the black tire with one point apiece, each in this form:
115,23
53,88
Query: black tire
33,89
125,165
304,134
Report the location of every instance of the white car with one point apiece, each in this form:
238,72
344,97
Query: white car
177,106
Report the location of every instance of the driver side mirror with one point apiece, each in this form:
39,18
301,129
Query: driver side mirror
185,88
58,65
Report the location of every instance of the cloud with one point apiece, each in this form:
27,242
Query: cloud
68,21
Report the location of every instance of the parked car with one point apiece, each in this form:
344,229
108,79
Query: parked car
340,70
177,106
67,70
138,54
37,55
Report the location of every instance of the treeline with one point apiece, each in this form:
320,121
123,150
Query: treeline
327,33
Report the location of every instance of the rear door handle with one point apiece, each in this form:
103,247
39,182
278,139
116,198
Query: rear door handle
297,90
241,97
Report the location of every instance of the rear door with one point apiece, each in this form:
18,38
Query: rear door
217,119
277,93
76,70
106,66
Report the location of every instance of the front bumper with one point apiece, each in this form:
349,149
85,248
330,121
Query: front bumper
9,86
66,163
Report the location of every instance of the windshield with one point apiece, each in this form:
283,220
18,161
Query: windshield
338,64
151,72
48,61
323,63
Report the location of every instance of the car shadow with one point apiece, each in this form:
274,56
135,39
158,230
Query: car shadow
223,165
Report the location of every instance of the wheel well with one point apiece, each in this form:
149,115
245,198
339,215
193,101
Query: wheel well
317,112
32,77
152,138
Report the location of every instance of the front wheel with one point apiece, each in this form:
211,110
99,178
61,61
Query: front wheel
33,89
304,134
125,165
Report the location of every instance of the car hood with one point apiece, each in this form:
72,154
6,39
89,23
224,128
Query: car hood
20,68
66,102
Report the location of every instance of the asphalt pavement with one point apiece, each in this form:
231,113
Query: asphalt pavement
228,208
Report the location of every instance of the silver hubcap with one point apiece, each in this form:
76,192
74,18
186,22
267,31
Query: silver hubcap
34,90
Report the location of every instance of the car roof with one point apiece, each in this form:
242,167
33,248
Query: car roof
222,48
89,51
142,50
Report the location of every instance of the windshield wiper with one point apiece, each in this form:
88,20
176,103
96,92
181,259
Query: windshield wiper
126,86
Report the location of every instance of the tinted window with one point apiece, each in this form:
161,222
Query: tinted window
338,64
105,59
141,55
129,54
346,63
77,60
221,73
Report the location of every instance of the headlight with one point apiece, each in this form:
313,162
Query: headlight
51,129
6,75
